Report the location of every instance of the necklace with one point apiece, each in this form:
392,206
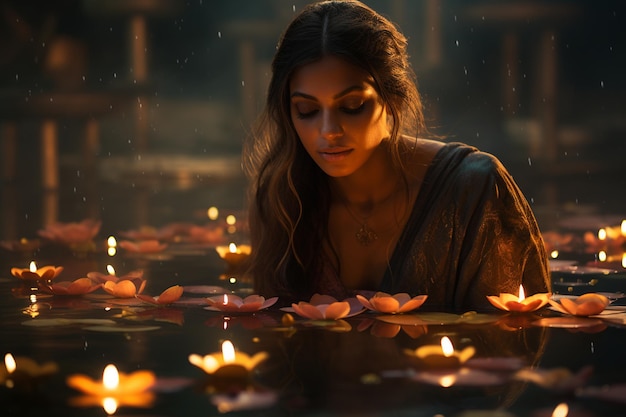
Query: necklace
365,235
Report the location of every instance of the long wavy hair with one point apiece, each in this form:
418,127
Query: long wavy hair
289,194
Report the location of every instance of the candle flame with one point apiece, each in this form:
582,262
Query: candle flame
231,220
110,405
9,362
111,242
225,299
33,266
602,234
110,377
522,296
623,228
228,351
110,270
623,260
446,347
602,256
560,410
232,248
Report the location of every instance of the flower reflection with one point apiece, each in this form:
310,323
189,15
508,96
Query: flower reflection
392,304
389,330
232,303
326,307
248,399
77,287
560,380
33,273
585,305
72,234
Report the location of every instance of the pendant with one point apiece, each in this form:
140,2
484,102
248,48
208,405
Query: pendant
365,235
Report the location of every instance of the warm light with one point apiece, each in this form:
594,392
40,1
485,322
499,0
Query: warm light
231,220
623,260
522,296
110,377
602,256
561,410
111,251
554,254
232,248
9,362
602,234
110,270
111,242
447,380
623,228
33,266
225,299
228,351
110,405
213,213
446,347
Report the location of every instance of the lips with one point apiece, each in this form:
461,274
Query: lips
335,154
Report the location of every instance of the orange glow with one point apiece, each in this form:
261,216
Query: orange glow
446,347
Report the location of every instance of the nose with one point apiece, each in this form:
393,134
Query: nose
331,127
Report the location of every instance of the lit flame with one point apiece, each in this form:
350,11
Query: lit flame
561,410
522,296
9,362
602,256
623,228
554,254
232,248
33,266
446,347
623,260
231,220
225,299
602,234
228,351
110,378
110,270
213,213
111,242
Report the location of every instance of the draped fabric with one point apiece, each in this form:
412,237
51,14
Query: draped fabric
471,233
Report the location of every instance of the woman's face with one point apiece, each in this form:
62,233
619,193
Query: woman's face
338,115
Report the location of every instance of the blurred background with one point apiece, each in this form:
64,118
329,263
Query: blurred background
134,111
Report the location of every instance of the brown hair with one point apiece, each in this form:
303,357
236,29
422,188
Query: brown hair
289,199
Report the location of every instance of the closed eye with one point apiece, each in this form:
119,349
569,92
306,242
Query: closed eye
353,110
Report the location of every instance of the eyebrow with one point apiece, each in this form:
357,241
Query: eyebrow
336,96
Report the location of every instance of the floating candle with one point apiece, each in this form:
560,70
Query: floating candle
235,304
116,389
392,304
442,356
23,373
233,254
33,273
228,368
519,303
585,305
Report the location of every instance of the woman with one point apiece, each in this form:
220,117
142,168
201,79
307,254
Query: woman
346,197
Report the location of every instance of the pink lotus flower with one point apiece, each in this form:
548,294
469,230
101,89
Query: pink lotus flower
125,288
77,287
169,296
45,273
325,307
382,302
585,305
143,246
231,303
71,233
